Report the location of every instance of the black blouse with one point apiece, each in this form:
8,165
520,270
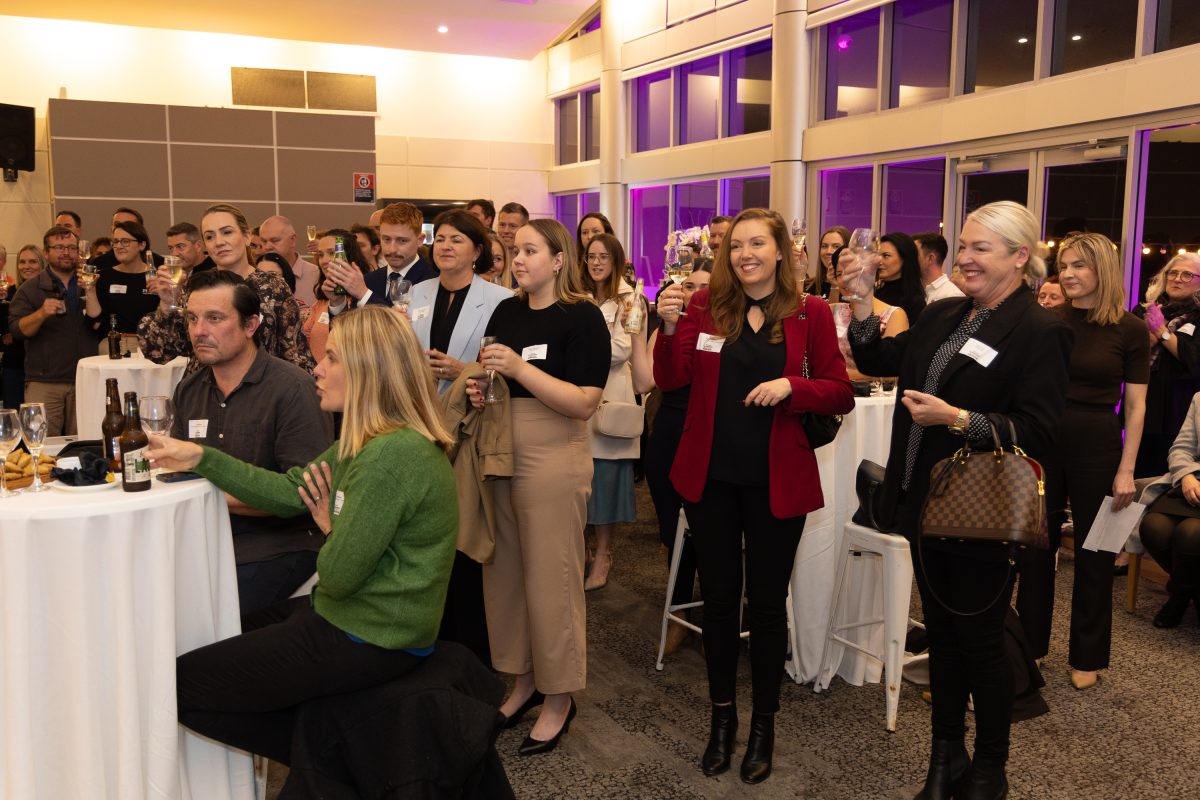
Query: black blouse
446,308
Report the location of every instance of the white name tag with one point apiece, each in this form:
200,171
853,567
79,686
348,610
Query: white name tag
117,288
338,499
197,428
323,319
1189,329
70,462
610,315
535,352
419,314
710,344
978,351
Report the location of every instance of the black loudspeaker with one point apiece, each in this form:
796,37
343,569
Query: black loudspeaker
16,137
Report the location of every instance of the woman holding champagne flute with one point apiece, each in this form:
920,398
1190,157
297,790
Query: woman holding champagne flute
123,291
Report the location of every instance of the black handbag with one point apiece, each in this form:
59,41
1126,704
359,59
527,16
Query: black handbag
868,485
821,429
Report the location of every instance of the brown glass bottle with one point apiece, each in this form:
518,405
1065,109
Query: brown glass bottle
114,340
133,449
112,426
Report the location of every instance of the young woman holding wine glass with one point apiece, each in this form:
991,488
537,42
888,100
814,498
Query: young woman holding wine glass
123,291
317,318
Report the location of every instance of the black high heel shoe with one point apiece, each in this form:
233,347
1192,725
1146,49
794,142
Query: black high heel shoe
1171,614
722,731
756,765
983,782
535,700
532,746
948,763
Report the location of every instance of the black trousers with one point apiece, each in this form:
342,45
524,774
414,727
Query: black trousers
726,516
264,583
1090,448
659,455
463,619
1174,542
966,653
243,691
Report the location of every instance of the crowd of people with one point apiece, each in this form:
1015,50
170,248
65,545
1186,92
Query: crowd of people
439,430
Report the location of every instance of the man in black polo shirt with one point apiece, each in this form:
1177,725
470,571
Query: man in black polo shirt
262,410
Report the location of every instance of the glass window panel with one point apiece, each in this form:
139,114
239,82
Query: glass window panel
846,196
589,202
1085,197
921,51
852,65
592,24
649,215
753,191
699,99
1001,42
695,204
1178,24
652,95
982,188
591,125
568,130
748,89
915,192
1088,33
566,210
1169,216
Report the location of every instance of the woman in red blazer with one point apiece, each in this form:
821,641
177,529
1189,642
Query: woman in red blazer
744,465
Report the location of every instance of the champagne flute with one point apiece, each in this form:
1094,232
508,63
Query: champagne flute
85,251
33,431
799,235
10,434
399,292
175,265
864,243
312,232
157,413
489,396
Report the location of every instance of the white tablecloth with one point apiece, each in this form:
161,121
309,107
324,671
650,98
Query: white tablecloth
135,374
99,593
865,433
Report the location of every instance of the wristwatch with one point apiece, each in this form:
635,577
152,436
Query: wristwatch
1166,335
960,422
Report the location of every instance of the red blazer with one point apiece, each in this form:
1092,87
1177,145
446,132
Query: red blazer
795,484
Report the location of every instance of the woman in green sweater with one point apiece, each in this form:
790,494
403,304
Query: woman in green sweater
384,495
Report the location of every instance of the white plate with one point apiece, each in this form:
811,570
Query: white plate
99,487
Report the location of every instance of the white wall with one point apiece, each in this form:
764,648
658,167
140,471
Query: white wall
494,111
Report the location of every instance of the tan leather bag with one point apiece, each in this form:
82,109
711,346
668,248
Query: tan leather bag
620,420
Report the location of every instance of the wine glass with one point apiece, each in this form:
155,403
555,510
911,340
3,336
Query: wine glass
312,232
33,431
174,265
489,396
157,413
87,278
400,293
85,251
10,434
683,267
799,235
864,243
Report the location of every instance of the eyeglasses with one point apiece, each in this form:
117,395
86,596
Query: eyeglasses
124,242
599,257
68,248
1181,276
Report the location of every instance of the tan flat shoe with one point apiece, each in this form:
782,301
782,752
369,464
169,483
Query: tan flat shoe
1083,679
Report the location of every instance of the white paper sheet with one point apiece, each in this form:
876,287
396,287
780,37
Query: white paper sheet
1110,531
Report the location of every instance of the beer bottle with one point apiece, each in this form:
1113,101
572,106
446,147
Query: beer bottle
112,426
114,343
339,253
133,448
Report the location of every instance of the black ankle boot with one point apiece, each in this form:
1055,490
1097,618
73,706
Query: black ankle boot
756,766
948,762
721,734
983,782
1171,614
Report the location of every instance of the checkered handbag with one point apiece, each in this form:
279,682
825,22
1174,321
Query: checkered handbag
995,495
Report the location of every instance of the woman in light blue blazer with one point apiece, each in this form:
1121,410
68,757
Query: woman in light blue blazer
450,313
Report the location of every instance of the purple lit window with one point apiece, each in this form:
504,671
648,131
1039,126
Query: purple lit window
852,65
591,125
1088,33
589,202
846,196
566,210
699,99
592,25
652,104
915,191
649,216
568,129
748,89
695,204
753,191
920,51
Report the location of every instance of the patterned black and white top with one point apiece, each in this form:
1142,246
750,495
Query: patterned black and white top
978,427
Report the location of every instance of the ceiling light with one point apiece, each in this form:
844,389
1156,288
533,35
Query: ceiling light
1145,251
443,29
1051,244
1076,38
1023,40
1183,251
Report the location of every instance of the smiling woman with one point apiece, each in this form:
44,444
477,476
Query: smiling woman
124,291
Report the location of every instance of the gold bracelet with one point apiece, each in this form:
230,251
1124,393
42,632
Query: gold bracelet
960,422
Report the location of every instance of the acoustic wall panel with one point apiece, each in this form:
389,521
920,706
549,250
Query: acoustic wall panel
123,169
334,91
282,88
320,176
221,125
206,171
88,119
325,131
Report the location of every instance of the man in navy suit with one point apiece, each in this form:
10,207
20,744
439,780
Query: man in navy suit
400,237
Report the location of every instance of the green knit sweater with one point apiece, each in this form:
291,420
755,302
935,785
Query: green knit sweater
386,564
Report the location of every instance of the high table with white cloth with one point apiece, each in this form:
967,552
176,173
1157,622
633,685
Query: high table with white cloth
865,433
100,592
134,374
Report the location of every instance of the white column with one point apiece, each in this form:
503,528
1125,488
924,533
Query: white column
612,117
790,80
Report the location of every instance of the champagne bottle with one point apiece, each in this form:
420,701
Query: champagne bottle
114,342
133,448
339,253
112,426
636,317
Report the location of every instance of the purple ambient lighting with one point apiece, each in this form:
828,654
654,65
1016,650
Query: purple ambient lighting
844,41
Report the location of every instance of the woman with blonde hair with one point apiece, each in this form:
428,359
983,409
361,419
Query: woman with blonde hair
757,358
501,271
384,495
552,347
1111,351
30,262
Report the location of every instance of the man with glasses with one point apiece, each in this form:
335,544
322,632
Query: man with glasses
47,313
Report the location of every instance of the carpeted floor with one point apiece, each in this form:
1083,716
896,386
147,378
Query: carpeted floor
639,732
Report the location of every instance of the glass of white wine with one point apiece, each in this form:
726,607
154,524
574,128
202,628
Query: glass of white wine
399,292
33,431
489,396
10,434
174,265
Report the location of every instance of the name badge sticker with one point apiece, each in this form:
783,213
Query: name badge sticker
978,351
117,288
1188,329
338,499
197,428
323,319
535,352
710,344
419,314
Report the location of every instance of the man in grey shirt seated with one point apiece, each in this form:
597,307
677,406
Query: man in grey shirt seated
260,409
